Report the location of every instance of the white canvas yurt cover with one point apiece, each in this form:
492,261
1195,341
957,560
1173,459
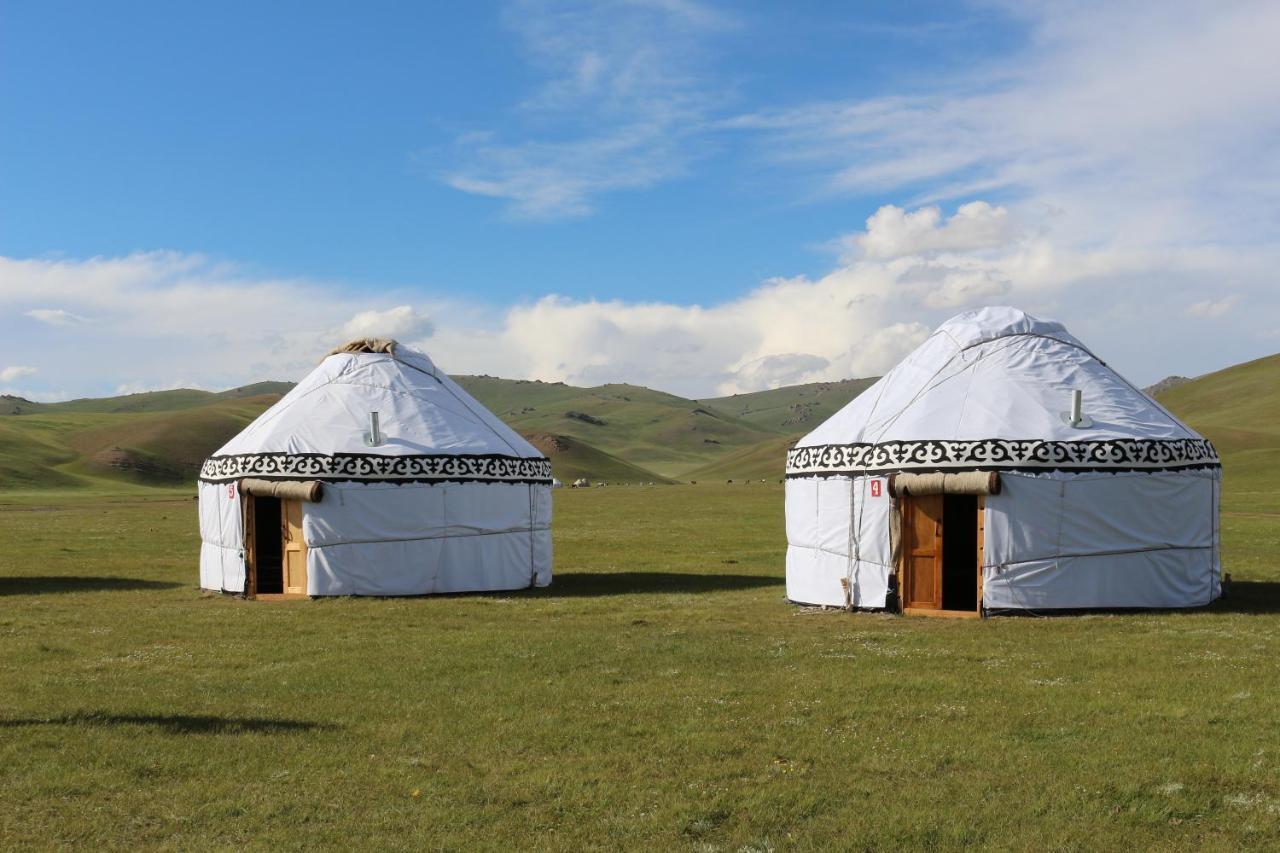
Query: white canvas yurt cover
441,497
961,481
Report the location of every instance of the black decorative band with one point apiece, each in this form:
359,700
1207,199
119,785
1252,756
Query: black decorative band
998,454
377,468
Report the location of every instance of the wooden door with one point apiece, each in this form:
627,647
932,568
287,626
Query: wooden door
922,551
295,548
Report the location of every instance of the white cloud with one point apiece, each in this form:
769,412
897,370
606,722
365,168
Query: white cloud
403,322
1135,128
12,374
56,317
893,232
1210,308
164,320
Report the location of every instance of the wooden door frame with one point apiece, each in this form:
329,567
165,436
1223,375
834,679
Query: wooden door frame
247,513
248,510
906,525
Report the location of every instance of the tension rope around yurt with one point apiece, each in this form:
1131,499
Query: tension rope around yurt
376,475
1002,465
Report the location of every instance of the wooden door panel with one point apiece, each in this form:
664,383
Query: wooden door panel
923,552
295,548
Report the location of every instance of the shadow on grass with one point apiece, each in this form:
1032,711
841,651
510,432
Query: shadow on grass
1249,597
47,584
571,584
179,724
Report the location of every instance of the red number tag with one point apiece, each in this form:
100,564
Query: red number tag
875,488
231,491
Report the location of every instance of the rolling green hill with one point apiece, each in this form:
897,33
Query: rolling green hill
661,432
766,460
148,401
793,410
1238,409
612,433
71,448
572,459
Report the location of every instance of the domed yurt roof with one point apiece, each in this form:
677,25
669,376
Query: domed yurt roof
992,389
430,429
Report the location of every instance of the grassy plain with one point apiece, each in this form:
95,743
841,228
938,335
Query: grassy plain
661,694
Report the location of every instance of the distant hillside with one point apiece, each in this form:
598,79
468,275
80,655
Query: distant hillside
1166,384
660,432
793,410
53,449
619,433
572,459
612,433
149,401
766,460
1238,409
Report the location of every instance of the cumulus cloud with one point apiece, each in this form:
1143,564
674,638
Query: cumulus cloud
893,232
1209,308
166,320
13,374
403,322
776,371
56,317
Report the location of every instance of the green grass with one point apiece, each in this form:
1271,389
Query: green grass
660,694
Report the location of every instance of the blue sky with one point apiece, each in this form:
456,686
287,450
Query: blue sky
652,191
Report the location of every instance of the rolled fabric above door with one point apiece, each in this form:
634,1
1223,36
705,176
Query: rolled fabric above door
310,490
963,483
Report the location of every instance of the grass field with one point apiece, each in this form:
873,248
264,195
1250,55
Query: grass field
661,694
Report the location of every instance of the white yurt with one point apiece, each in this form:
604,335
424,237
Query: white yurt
1002,465
376,475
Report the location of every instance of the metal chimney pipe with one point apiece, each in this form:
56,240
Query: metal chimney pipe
375,433
1077,399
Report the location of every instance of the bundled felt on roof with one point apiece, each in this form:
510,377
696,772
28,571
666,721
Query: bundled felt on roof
443,497
1002,465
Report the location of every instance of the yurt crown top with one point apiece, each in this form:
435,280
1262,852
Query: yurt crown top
999,321
369,345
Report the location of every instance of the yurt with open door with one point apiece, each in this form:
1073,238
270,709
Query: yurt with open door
376,475
1002,466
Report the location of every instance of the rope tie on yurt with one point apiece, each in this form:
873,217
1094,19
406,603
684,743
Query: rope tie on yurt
850,579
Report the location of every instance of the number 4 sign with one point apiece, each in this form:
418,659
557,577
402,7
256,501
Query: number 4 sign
875,488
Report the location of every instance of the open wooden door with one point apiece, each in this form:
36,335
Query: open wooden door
295,548
922,552
942,539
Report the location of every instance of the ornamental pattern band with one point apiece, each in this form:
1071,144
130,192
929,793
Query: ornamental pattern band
998,454
375,468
